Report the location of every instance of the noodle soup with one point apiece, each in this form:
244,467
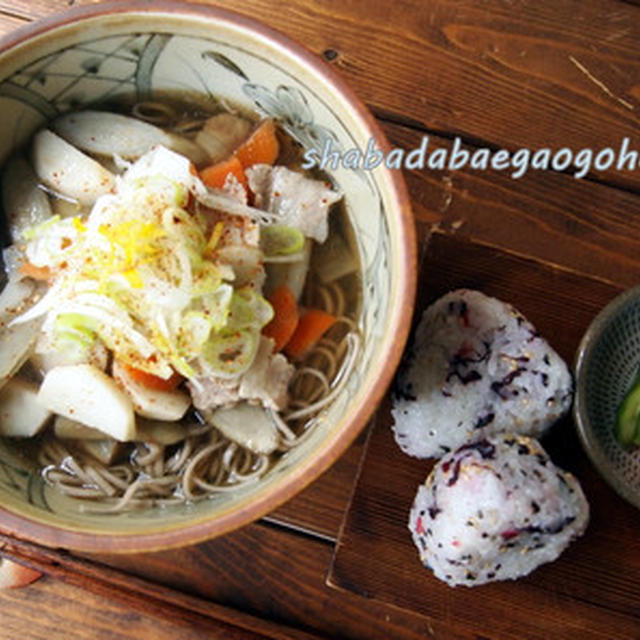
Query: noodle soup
182,301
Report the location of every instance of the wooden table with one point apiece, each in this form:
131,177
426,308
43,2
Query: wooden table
499,74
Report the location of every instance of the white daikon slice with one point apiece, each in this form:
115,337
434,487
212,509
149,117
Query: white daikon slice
95,354
72,429
21,416
16,341
69,171
152,403
160,431
105,450
105,133
86,394
248,425
25,203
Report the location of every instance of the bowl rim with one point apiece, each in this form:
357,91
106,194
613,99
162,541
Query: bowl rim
53,535
582,421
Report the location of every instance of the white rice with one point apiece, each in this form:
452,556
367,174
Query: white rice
495,509
476,367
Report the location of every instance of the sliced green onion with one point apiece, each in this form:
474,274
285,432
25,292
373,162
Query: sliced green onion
248,310
280,240
32,232
229,355
194,331
74,333
76,322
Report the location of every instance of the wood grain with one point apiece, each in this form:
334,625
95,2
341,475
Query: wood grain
139,594
512,74
533,215
284,583
9,22
592,588
503,73
586,227
56,610
588,592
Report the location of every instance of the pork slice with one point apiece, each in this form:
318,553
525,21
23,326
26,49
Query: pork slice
300,202
266,381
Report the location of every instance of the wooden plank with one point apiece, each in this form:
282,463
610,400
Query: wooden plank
375,558
521,74
536,212
137,594
592,588
9,22
33,10
385,60
586,227
284,583
56,610
284,580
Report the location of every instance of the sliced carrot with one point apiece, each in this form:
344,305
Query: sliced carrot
313,324
37,273
285,317
261,147
216,175
152,381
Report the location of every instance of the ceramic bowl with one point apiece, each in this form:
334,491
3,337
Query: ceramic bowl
607,364
89,54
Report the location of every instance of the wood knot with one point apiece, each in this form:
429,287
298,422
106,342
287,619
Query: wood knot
330,55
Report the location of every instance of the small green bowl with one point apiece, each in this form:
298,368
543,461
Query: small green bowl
607,363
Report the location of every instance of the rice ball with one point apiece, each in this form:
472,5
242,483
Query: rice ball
495,509
477,367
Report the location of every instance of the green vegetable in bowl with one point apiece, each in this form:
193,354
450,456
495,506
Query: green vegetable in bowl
627,426
281,240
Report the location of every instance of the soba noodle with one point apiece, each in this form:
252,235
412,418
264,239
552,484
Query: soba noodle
205,462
